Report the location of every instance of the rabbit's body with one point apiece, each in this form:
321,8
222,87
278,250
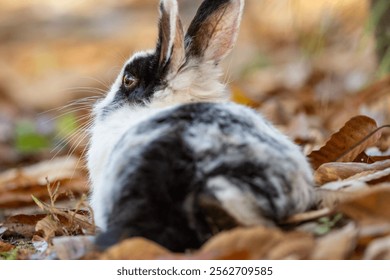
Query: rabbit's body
171,160
161,166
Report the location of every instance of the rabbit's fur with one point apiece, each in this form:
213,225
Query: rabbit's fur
170,159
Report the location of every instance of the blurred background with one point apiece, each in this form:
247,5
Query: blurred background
309,66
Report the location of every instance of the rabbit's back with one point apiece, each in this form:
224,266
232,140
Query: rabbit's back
163,171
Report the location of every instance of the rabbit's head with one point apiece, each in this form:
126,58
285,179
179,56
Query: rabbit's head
184,67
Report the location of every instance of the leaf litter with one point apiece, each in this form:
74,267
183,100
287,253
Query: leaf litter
42,230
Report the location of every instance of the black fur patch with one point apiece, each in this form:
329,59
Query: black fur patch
152,197
150,78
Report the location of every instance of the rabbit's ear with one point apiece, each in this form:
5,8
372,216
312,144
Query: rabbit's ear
213,32
170,45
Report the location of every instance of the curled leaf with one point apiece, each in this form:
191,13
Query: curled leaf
334,171
360,181
345,145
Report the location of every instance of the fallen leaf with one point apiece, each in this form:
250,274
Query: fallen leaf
17,185
329,199
253,243
334,171
360,181
369,233
259,243
346,144
372,208
336,245
50,227
374,92
307,216
5,247
294,246
21,225
137,248
299,129
64,221
379,249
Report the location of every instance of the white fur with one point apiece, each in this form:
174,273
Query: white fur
104,136
105,189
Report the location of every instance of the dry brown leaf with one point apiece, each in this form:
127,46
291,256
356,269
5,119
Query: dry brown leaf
370,231
17,185
307,216
299,129
375,93
50,227
259,243
22,225
253,243
294,246
337,245
137,248
334,171
360,181
64,221
5,247
373,208
379,249
346,144
329,199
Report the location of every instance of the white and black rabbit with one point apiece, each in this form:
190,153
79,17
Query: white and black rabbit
171,159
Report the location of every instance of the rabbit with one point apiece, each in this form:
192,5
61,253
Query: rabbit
171,159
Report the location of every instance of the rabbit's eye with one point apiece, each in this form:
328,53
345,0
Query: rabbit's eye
128,81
